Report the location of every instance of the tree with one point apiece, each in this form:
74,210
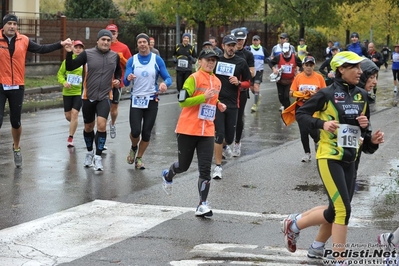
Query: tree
302,13
206,13
51,6
91,9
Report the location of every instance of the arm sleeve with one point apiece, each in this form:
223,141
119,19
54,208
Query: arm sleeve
43,49
267,55
304,115
298,61
129,69
72,64
118,69
322,67
368,147
61,73
163,71
189,86
274,61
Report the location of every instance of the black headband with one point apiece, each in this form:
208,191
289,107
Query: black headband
9,17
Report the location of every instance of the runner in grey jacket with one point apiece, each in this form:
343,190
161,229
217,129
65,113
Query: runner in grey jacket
101,72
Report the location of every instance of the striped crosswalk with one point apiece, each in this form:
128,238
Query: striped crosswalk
73,233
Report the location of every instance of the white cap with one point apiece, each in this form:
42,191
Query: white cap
286,47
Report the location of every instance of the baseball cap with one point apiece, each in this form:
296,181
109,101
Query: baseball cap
206,53
228,39
396,45
334,48
286,47
355,34
308,59
206,43
78,42
112,27
256,37
240,35
345,57
284,35
301,39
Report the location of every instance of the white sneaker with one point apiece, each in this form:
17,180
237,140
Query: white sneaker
89,159
166,185
203,210
98,163
112,130
306,158
237,150
395,90
227,153
217,172
385,241
281,108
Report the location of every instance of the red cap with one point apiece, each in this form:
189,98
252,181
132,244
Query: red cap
112,27
152,39
77,42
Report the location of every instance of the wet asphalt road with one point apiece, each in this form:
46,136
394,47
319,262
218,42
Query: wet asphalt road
268,179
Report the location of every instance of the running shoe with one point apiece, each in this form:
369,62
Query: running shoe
98,163
89,159
17,157
292,217
203,210
385,241
105,148
112,130
70,142
315,253
306,158
254,108
139,164
290,237
227,153
131,156
395,90
237,150
217,172
166,185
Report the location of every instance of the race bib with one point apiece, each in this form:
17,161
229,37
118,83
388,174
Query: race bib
74,79
182,63
225,69
348,136
140,101
287,69
10,87
207,111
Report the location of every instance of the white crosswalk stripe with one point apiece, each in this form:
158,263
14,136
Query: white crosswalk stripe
71,234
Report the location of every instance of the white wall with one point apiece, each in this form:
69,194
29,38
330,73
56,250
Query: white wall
25,8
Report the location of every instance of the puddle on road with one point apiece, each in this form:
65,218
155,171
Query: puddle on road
375,200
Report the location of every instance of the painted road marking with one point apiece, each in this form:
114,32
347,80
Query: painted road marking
79,231
235,254
76,232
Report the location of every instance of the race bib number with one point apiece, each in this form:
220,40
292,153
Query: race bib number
348,136
74,79
140,101
207,112
182,63
225,69
10,87
287,69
